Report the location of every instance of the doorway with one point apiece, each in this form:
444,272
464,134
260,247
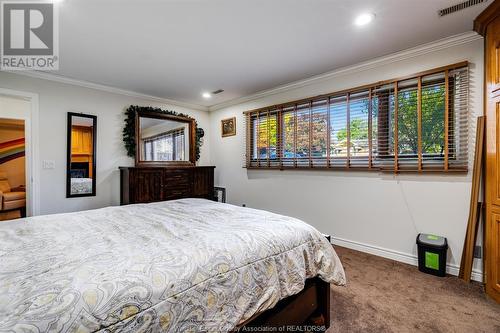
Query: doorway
19,174
13,173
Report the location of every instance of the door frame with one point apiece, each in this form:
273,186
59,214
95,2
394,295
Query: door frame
31,132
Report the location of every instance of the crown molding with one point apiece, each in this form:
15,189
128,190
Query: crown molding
105,88
413,52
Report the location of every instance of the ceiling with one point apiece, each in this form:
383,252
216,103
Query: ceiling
177,49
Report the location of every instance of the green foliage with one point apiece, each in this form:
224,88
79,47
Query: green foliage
432,121
266,133
129,128
432,125
358,128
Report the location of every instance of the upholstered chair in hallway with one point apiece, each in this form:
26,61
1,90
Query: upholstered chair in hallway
9,199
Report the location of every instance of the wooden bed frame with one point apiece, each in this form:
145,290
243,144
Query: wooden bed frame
310,307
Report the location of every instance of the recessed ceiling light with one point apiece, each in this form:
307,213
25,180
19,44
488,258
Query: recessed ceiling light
206,95
364,19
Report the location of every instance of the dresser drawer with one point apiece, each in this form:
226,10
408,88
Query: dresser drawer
145,184
177,178
178,184
180,193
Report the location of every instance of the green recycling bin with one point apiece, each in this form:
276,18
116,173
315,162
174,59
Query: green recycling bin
432,252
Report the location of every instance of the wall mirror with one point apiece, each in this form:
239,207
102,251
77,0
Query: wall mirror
163,139
81,160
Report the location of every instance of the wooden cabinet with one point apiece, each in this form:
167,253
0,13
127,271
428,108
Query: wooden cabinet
488,24
81,140
152,184
493,247
82,146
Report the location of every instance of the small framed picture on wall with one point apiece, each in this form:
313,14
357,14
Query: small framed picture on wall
228,127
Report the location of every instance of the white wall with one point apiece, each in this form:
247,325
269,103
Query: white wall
375,212
55,100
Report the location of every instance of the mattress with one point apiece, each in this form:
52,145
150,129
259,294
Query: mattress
176,266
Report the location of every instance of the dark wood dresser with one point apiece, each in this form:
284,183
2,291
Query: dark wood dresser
151,184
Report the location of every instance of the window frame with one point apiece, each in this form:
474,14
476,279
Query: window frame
172,134
424,160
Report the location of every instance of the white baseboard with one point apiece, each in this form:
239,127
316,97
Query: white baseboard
407,258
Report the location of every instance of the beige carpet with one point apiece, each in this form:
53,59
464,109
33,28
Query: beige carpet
387,296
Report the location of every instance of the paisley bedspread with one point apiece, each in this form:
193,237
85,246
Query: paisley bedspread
177,266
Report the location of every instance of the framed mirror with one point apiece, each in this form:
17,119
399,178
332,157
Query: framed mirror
163,139
81,155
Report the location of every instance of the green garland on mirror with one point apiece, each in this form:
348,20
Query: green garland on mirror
129,129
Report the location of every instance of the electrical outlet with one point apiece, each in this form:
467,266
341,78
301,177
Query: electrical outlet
49,164
478,253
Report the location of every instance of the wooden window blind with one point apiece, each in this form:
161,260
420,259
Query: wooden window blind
416,123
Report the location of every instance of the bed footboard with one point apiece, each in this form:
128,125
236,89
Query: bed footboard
310,307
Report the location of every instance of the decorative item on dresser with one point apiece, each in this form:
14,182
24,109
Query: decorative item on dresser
151,184
220,194
156,131
166,150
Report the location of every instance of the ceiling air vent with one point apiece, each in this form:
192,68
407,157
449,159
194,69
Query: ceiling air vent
460,6
218,91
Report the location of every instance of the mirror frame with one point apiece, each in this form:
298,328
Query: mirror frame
138,146
94,159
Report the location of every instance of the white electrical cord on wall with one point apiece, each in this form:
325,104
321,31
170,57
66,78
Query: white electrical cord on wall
407,205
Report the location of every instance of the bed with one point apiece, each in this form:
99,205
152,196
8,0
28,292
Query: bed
174,266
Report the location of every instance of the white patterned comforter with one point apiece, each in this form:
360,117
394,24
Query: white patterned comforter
176,266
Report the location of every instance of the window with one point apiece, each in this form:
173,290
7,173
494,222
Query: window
168,146
418,123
